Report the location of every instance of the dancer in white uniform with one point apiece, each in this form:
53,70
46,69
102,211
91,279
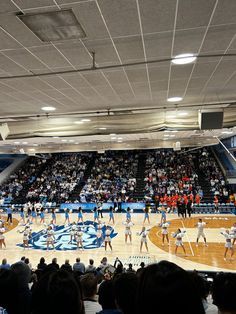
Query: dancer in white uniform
108,238
143,235
26,236
2,238
179,240
73,231
50,237
228,243
200,226
99,233
128,224
164,232
79,238
233,232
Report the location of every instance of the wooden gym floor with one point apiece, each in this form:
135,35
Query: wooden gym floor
201,257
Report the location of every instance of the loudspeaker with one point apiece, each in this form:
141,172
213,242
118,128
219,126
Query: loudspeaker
4,131
210,119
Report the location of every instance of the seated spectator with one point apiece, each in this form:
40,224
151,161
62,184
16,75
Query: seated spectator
125,288
4,264
9,292
130,269
90,268
78,266
223,293
166,288
42,265
89,290
53,264
139,270
66,266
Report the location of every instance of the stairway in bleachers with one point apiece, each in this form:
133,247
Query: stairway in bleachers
21,199
140,184
75,195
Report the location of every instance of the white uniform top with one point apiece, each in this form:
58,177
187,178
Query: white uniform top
144,236
2,230
79,235
164,228
73,230
233,231
200,226
128,226
50,235
26,234
99,230
107,235
179,238
228,238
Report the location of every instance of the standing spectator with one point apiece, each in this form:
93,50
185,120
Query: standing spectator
9,215
90,268
42,265
78,266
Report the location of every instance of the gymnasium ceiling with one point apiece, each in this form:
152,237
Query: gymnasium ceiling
130,100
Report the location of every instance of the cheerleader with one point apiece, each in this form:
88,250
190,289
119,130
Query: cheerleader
42,216
108,238
179,240
163,214
128,214
80,215
233,232
99,233
164,232
143,235
50,237
146,214
216,202
73,232
26,236
128,224
67,216
200,226
2,238
95,214
33,215
54,218
22,215
228,243
79,238
111,215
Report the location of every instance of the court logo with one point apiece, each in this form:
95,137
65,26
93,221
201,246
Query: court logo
38,240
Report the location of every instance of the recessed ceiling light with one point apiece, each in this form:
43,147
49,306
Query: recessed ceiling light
76,143
182,114
173,99
25,143
71,141
55,136
102,128
174,131
48,108
17,143
184,58
170,117
32,149
78,122
85,120
112,134
64,140
119,141
113,138
172,135
35,144
166,135
120,138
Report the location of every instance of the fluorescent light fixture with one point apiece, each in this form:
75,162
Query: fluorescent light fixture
24,143
17,143
49,108
174,99
227,132
166,135
85,120
35,144
172,135
120,138
182,114
55,136
78,122
119,141
64,140
112,134
71,141
184,58
53,25
32,149
113,138
102,128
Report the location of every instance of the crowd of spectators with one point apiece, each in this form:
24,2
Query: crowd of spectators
161,288
113,176
213,174
20,179
170,173
58,180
